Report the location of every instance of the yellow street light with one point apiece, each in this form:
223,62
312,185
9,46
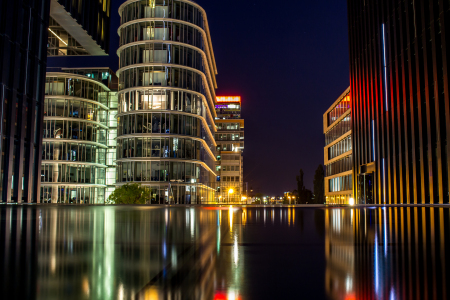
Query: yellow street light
230,191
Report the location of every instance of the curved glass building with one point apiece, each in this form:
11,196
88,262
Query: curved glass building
75,141
166,111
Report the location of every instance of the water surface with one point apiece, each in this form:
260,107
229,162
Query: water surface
112,252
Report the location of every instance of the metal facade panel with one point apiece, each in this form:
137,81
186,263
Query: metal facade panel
399,83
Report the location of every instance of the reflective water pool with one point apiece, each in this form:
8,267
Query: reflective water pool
92,252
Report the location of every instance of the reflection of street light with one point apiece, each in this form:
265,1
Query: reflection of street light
351,201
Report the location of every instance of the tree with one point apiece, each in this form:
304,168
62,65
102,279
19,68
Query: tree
308,196
301,188
131,193
319,185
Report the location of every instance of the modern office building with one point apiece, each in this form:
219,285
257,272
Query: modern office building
399,65
338,155
166,112
230,147
79,27
23,59
80,128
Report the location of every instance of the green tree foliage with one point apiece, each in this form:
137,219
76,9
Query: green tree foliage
131,193
319,185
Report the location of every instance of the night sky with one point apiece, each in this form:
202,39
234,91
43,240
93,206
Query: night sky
288,62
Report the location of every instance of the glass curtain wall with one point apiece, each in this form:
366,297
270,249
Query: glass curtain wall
76,138
165,117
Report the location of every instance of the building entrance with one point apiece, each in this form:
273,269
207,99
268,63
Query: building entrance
365,189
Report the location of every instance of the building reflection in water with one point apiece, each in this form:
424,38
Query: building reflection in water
109,252
215,253
387,253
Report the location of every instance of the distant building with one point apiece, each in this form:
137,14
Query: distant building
23,59
338,152
230,147
79,134
399,77
79,27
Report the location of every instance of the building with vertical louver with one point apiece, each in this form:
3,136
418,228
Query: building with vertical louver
399,65
166,112
23,59
338,158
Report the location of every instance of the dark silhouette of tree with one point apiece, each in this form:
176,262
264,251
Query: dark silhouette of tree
308,196
319,185
301,188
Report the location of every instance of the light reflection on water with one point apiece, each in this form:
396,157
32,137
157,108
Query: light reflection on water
223,253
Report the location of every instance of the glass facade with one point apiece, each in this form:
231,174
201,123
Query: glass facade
339,110
338,141
342,165
340,184
165,119
340,147
344,126
77,138
76,26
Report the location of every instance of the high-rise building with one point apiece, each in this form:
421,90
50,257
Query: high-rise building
80,128
230,147
27,37
79,27
399,65
23,59
338,151
166,113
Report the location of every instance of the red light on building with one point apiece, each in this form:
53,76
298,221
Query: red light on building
228,99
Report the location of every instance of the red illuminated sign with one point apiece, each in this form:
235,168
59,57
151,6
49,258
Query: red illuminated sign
228,99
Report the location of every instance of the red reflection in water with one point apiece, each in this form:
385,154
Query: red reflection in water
350,297
216,208
220,296
223,296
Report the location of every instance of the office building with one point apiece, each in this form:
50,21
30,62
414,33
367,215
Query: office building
79,27
80,127
399,65
165,138
23,59
230,147
338,153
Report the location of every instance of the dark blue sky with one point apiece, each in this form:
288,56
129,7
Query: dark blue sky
289,62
